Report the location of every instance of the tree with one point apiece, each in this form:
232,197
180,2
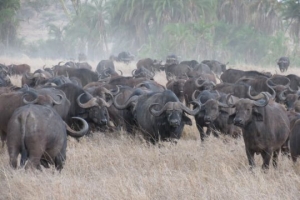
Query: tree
8,22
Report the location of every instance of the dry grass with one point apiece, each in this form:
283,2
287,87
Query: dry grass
116,166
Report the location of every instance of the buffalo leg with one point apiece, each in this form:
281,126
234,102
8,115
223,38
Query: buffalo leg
13,158
201,131
266,155
35,155
275,158
250,156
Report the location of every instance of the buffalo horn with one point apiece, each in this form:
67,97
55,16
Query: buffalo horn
60,101
282,96
28,76
29,102
92,102
189,111
80,133
127,103
260,103
197,82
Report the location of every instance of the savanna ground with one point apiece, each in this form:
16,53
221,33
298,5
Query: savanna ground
117,166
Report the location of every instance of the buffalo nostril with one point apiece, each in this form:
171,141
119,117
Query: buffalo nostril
104,121
174,122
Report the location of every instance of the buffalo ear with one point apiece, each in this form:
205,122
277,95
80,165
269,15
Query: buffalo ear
230,118
187,120
257,114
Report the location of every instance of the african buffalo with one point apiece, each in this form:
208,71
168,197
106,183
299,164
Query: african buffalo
177,86
210,108
265,127
160,115
39,134
215,66
18,69
142,72
105,64
191,63
200,83
294,139
85,75
83,104
233,75
13,100
283,63
150,64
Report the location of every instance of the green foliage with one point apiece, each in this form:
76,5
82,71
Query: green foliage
8,22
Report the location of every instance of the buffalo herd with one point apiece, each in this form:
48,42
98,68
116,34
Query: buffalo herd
72,99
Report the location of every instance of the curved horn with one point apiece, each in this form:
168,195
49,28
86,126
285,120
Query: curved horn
133,72
127,103
104,103
257,97
157,113
92,102
29,102
282,96
114,93
193,96
231,105
27,75
260,103
82,132
199,85
121,72
189,111
58,102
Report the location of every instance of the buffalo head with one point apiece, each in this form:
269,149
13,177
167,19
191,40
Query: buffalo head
246,110
173,111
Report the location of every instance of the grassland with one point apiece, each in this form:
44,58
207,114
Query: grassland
118,166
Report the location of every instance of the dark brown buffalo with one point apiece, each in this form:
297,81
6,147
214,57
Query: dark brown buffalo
78,65
171,59
36,78
283,63
151,85
292,101
265,127
233,75
294,81
177,86
105,64
123,116
13,100
39,134
18,69
149,64
200,83
215,66
124,56
83,104
200,69
294,140
85,75
160,115
210,106
142,72
126,81
177,71
191,63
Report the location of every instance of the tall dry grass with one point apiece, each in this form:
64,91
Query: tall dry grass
118,166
